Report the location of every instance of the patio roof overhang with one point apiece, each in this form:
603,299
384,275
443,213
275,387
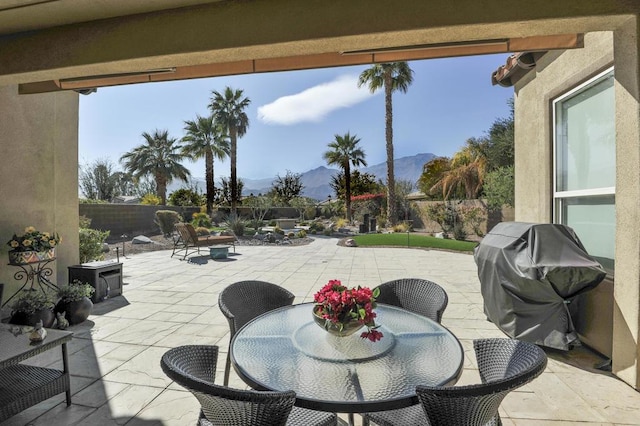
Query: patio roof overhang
356,57
49,45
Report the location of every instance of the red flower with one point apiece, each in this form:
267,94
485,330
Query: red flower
339,304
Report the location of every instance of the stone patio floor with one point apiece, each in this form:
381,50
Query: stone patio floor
115,355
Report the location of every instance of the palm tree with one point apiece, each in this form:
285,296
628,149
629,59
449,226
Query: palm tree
344,152
392,76
466,173
228,111
205,139
159,157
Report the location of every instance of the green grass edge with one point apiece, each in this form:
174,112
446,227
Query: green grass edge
413,240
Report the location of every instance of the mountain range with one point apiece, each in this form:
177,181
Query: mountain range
316,181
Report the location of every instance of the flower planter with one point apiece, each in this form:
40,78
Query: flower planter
347,330
45,315
26,257
75,312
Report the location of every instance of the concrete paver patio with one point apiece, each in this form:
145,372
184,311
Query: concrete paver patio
115,355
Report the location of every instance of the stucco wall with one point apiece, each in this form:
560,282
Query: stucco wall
556,73
39,174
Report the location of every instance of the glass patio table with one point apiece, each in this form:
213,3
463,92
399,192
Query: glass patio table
285,349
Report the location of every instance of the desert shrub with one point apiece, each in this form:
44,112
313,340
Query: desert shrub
273,222
327,232
291,235
402,227
202,230
201,219
341,223
302,234
85,222
316,227
458,231
474,217
278,230
186,197
445,215
151,200
166,220
91,243
236,224
381,221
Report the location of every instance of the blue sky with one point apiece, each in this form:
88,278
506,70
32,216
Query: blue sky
294,115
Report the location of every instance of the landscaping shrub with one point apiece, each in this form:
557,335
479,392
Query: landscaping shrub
474,217
341,223
201,219
402,227
458,231
151,200
277,230
166,220
85,222
201,230
291,235
273,222
302,234
91,243
236,224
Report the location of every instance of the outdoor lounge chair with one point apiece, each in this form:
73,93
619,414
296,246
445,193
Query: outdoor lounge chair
194,367
417,295
189,242
504,365
242,301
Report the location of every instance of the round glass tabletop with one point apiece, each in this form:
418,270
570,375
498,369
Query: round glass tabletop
285,349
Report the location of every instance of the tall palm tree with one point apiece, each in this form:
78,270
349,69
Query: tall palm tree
228,110
344,152
206,139
160,158
392,77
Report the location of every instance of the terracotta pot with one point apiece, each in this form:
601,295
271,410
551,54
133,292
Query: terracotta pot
45,315
331,328
75,312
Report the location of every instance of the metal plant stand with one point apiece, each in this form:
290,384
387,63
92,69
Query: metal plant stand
34,274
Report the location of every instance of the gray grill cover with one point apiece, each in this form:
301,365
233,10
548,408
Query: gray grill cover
527,271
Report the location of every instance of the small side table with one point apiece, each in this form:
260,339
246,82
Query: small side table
219,252
22,386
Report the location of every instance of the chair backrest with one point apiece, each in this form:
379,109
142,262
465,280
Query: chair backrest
193,367
186,234
242,301
417,295
504,364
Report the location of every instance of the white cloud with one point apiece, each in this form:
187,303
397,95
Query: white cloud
315,103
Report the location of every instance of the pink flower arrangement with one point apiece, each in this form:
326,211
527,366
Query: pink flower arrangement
340,305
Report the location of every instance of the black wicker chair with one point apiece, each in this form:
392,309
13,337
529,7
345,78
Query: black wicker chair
417,295
504,365
242,301
194,368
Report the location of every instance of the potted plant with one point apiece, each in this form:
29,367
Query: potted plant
343,311
32,246
32,306
74,301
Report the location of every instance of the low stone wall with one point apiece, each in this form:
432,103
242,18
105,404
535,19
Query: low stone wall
128,219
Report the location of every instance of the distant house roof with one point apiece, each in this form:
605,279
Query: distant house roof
125,199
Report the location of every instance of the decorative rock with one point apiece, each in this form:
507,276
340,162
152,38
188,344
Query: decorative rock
141,239
350,242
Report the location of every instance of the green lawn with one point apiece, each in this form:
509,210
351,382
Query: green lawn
412,240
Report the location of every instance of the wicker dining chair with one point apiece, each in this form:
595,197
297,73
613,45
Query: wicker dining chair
194,367
417,295
504,365
242,301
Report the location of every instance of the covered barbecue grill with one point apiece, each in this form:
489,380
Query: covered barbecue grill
529,273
